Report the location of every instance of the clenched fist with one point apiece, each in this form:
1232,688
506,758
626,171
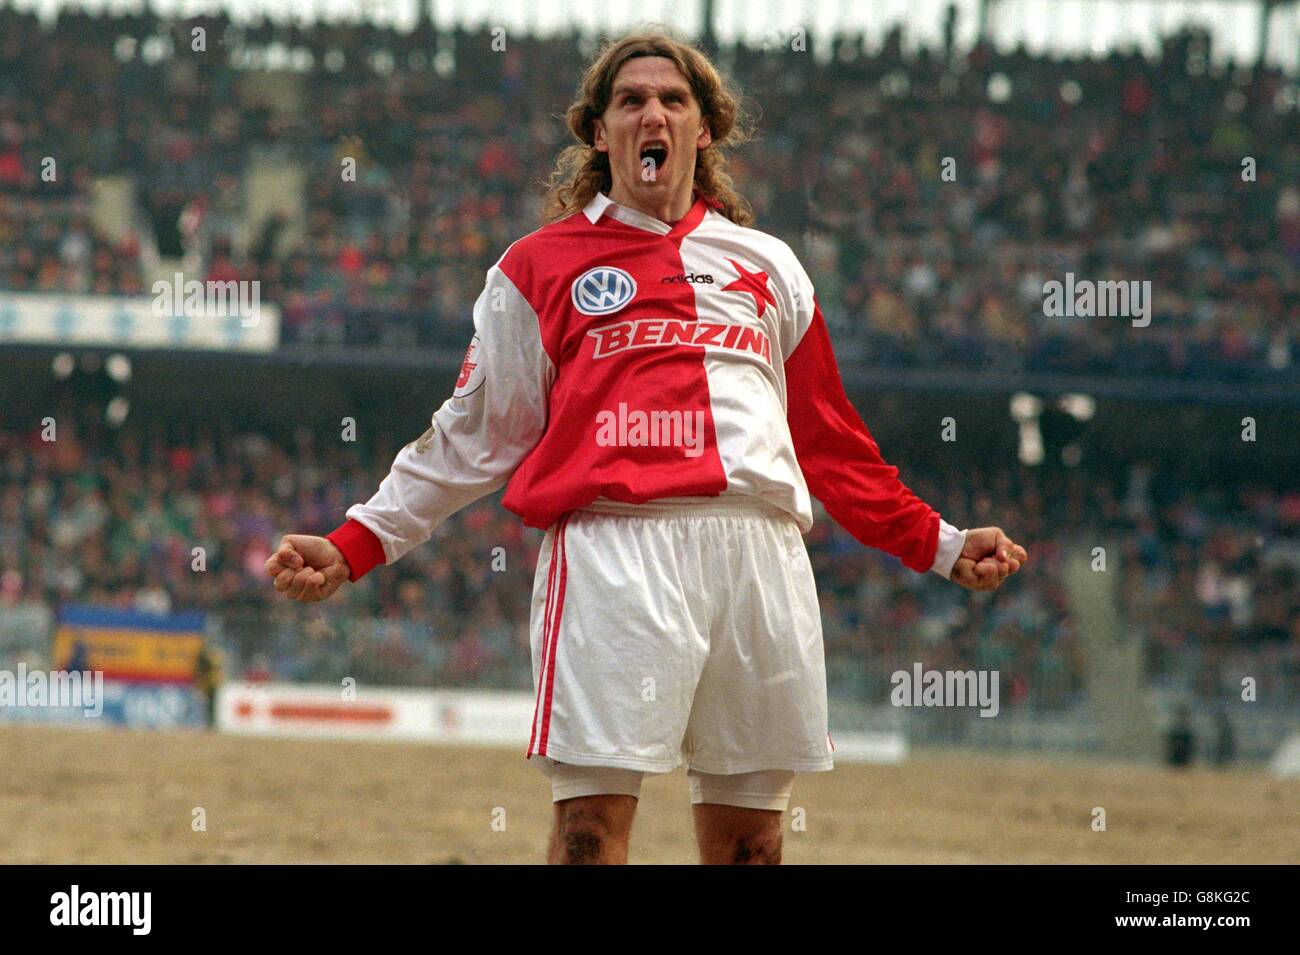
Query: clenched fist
988,558
307,568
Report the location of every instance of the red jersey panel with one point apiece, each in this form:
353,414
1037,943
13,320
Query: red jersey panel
616,356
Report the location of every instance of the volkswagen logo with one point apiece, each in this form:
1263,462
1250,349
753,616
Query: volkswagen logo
603,290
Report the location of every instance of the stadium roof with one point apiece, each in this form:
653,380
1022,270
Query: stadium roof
1238,28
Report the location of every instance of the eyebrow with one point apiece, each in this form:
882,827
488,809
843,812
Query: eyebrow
623,87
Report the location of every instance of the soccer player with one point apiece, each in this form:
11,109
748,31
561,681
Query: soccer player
653,382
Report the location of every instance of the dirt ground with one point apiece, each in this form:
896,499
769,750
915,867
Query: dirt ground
116,796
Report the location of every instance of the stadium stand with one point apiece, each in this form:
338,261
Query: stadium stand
1138,175
1117,168
109,518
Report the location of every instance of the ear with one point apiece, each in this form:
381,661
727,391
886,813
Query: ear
706,135
598,136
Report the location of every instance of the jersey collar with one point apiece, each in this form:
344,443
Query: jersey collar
603,205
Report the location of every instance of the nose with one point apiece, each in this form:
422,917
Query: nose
655,115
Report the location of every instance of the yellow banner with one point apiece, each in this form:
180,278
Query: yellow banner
130,654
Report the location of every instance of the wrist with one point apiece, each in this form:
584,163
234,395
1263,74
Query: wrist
951,543
359,548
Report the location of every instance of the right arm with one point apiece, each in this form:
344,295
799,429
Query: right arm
494,418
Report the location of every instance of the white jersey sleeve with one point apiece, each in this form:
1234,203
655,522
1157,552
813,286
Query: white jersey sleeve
495,416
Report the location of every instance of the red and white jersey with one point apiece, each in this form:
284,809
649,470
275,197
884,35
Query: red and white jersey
617,356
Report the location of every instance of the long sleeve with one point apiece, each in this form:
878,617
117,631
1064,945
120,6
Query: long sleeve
843,465
495,416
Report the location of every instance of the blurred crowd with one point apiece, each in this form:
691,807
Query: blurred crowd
167,516
930,196
1114,168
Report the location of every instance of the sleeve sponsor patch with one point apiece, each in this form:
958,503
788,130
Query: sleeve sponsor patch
471,371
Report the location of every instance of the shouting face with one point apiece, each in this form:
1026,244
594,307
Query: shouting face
652,129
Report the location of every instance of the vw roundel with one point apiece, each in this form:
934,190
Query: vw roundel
602,290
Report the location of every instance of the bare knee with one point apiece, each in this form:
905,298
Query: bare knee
592,830
756,848
731,835
586,838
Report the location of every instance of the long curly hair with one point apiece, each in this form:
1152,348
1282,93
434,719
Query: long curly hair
581,170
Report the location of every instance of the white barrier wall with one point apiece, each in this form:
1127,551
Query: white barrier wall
442,716
470,717
1286,761
135,321
883,747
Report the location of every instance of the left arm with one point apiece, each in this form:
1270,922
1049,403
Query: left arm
846,472
844,469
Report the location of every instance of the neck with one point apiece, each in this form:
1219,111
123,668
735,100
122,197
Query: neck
669,209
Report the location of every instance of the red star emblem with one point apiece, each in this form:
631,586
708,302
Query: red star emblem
754,283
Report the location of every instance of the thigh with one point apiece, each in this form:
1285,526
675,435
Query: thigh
761,700
577,782
738,817
617,645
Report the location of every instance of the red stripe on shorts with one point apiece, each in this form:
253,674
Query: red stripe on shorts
546,636
555,632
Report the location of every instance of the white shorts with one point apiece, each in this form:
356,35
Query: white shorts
683,630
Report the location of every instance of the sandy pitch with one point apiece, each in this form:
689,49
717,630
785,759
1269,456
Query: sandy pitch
116,796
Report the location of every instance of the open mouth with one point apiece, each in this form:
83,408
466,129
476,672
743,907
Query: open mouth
653,156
